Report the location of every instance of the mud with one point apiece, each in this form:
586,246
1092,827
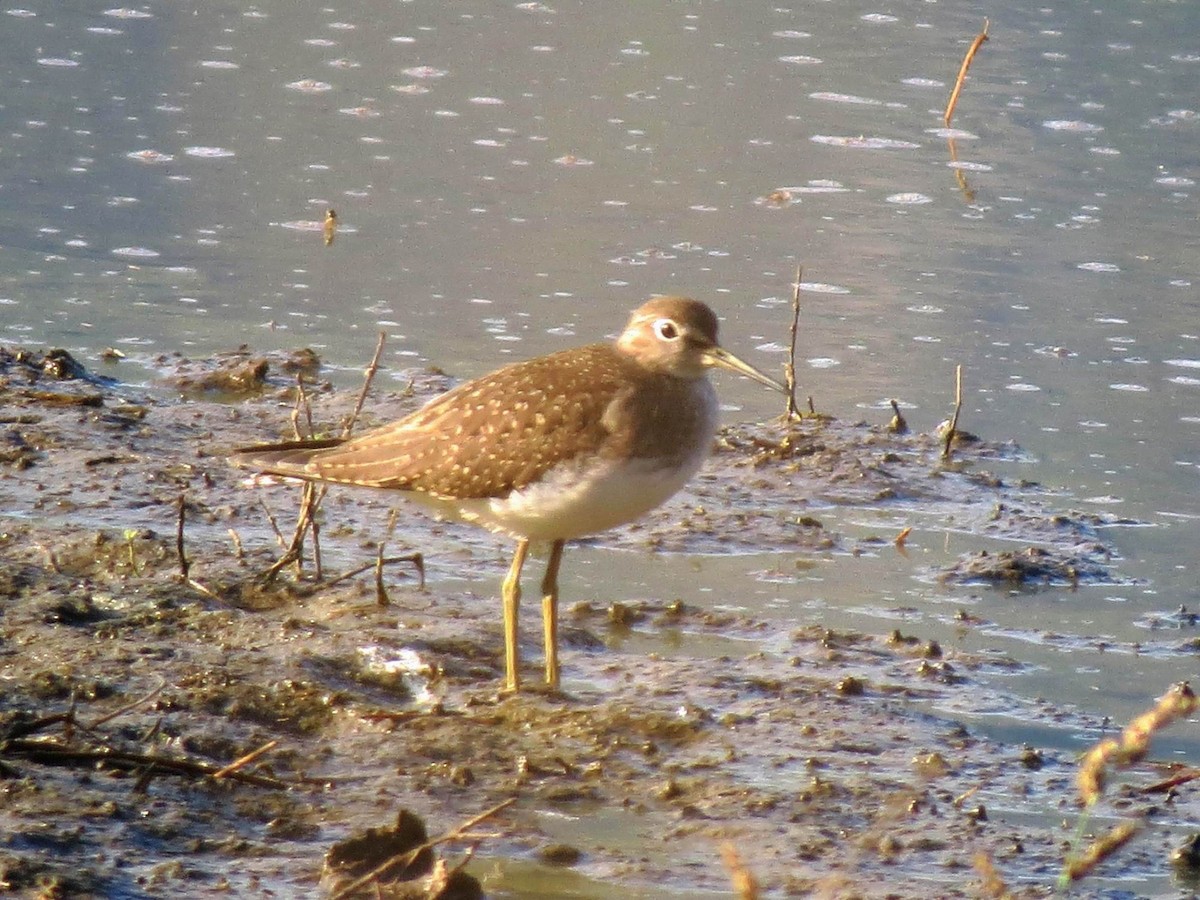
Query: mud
128,686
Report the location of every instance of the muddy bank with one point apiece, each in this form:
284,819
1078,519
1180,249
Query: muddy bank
815,757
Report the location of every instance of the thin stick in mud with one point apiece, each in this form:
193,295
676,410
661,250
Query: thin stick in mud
242,761
403,859
184,565
952,428
789,370
368,376
962,72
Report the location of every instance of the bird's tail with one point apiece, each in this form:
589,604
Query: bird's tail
290,458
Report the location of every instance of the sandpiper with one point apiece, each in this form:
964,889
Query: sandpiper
546,450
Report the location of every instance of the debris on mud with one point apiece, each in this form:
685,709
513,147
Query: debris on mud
131,681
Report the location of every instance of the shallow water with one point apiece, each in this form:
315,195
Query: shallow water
512,178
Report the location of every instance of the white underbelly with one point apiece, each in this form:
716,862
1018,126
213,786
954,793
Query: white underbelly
563,506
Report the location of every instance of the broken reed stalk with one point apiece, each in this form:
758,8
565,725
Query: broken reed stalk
745,885
368,376
1131,747
243,761
402,860
239,551
991,886
789,371
184,565
381,596
952,428
302,403
417,560
962,72
128,707
274,525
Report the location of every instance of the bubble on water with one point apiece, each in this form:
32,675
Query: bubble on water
1110,320
833,97
1134,388
570,160
968,166
823,362
21,13
957,133
1185,381
817,287
107,32
801,60
1186,57
218,64
486,101
1098,267
1175,181
879,18
425,72
790,34
1105,151
126,13
309,86
208,152
862,142
1023,386
150,156
135,252
1183,363
1075,125
321,42
344,63
818,186
57,62
404,39
925,308
360,112
410,89
909,199
923,82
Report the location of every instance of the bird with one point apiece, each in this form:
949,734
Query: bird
548,449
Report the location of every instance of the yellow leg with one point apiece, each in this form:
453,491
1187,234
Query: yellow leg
510,594
550,613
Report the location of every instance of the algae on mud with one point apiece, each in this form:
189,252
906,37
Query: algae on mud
812,749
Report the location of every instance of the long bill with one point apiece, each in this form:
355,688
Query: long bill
723,359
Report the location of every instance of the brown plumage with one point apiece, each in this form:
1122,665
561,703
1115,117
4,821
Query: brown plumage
551,448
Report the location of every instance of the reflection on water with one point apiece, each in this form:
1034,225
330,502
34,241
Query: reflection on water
511,179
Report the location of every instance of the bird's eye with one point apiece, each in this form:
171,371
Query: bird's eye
666,329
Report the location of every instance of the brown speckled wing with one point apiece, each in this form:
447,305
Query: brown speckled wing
485,438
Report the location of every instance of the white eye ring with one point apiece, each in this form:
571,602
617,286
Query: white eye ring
666,330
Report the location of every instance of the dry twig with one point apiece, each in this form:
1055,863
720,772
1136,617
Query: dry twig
128,707
745,885
368,376
792,413
401,860
952,428
962,72
243,761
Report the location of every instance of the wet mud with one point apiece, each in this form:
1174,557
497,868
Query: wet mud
143,662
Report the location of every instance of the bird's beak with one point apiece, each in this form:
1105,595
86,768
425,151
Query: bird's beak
723,359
